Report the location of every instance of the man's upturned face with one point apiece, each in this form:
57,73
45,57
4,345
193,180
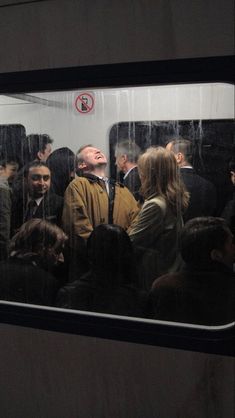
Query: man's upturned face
93,157
39,181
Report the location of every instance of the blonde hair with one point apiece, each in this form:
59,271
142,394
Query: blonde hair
160,176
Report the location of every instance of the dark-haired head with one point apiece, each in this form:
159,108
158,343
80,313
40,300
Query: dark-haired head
40,241
207,239
110,253
8,168
62,166
33,164
37,146
183,150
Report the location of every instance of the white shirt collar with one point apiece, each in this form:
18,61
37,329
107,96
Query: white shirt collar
38,200
129,171
106,180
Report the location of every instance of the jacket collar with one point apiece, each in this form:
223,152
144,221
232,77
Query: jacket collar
95,179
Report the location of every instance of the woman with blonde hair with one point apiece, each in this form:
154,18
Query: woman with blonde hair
155,232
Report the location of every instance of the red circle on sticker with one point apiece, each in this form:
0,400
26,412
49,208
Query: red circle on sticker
84,103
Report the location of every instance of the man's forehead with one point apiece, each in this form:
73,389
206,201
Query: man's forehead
39,170
12,165
91,149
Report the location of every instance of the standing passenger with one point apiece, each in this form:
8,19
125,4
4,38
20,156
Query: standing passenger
204,291
34,251
109,285
61,163
94,199
5,209
155,233
37,147
36,200
202,192
127,154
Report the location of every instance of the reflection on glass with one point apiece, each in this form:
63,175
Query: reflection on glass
82,162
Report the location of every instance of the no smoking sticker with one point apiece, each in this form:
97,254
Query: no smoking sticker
84,102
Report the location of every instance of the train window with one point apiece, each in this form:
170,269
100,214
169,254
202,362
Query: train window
212,146
70,237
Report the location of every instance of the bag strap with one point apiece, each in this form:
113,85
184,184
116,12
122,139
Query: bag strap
111,200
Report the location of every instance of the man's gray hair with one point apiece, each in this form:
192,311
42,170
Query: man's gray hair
79,157
128,148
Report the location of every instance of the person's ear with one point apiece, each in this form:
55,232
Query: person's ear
40,155
82,165
179,157
216,255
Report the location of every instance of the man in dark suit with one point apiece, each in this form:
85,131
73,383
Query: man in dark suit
127,153
202,192
36,200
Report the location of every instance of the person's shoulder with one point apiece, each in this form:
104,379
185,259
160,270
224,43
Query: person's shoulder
200,178
154,201
55,198
85,180
4,186
133,172
190,175
168,280
121,188
75,288
124,193
118,184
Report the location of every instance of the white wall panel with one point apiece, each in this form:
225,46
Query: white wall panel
68,127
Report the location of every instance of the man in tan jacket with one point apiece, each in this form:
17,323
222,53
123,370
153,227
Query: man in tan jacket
93,199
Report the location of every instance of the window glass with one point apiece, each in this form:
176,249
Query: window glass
72,237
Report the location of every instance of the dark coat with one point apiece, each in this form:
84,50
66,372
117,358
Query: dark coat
21,281
198,296
202,195
132,182
91,293
50,209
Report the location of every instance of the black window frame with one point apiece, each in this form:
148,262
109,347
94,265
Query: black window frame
213,340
